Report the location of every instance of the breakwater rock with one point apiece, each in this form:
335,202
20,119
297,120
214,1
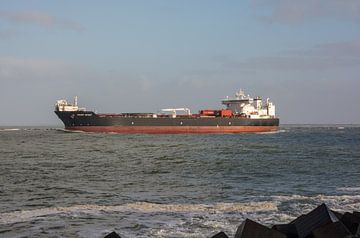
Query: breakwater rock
322,222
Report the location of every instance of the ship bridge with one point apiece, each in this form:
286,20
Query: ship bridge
64,106
245,105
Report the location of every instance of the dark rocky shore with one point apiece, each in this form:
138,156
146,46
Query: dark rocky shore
319,223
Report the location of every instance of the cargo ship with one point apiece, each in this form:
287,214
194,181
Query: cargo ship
241,114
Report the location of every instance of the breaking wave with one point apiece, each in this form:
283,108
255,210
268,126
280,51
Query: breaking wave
271,132
349,189
10,129
279,207
302,204
142,207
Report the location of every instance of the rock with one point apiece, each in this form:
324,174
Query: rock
337,214
356,214
288,229
251,229
112,235
352,222
318,217
220,235
332,230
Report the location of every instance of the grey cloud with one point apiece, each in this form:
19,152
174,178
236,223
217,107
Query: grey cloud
36,70
349,49
294,11
41,19
320,57
8,34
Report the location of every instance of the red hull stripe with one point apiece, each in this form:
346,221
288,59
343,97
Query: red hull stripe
174,129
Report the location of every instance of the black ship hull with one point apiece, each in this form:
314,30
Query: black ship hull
126,123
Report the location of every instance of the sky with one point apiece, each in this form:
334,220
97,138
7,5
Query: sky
144,55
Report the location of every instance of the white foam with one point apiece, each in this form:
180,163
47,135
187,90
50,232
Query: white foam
349,189
143,207
217,207
337,202
271,132
264,211
10,129
70,131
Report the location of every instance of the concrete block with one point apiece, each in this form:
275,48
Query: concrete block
220,235
309,222
288,229
112,235
355,213
337,214
332,230
352,222
251,229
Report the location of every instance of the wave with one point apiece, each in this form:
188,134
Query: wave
274,208
319,197
30,129
10,129
337,202
143,207
272,132
349,189
69,131
217,207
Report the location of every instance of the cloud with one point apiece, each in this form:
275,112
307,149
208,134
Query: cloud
41,19
8,34
35,70
321,57
294,11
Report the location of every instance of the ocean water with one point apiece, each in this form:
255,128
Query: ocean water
55,183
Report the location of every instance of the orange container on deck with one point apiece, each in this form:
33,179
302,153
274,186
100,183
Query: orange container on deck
226,113
207,112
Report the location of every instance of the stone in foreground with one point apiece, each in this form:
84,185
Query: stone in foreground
339,215
332,230
112,235
352,222
251,229
309,222
220,235
288,229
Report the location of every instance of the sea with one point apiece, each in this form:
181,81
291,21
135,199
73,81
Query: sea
55,183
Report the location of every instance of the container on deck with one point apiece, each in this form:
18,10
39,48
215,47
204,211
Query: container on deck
226,113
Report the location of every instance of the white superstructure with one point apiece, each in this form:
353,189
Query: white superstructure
63,106
247,106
